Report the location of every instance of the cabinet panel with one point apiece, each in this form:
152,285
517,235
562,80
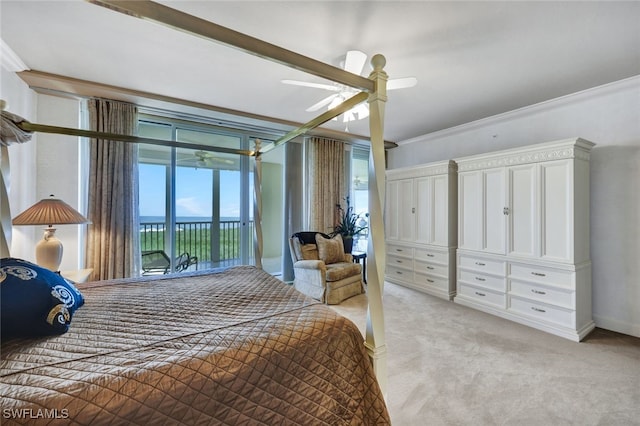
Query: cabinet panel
432,255
399,262
424,207
563,317
470,210
564,298
494,216
440,211
556,197
523,210
431,268
392,204
406,211
487,281
484,296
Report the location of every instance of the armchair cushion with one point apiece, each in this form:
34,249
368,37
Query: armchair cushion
342,270
330,250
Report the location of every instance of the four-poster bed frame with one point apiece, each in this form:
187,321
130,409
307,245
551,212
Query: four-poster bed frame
373,91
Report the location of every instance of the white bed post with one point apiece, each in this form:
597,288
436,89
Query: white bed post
257,206
375,337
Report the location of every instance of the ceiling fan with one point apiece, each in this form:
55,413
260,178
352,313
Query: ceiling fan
206,159
354,63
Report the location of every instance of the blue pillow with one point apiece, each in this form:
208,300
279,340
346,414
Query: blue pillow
34,300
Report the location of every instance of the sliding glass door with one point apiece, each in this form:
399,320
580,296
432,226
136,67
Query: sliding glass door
194,204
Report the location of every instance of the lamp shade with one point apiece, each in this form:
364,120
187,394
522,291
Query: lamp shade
50,211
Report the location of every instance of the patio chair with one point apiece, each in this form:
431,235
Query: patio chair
156,262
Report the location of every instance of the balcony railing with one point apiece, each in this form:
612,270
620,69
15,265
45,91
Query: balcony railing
213,249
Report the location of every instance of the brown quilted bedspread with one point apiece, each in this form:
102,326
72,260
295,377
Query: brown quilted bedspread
233,347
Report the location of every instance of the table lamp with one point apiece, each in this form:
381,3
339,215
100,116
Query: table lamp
49,211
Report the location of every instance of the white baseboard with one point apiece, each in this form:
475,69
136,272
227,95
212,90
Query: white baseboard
617,326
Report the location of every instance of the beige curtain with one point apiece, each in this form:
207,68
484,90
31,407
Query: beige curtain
113,238
326,182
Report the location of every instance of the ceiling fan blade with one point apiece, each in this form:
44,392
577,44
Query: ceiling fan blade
325,101
316,85
354,61
401,83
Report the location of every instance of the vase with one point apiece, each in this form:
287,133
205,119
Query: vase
347,242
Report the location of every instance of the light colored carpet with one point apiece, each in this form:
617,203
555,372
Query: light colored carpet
452,365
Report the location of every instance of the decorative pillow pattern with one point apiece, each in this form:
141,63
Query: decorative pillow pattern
34,300
330,250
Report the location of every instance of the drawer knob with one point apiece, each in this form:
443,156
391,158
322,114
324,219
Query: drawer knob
480,264
398,249
533,290
481,279
429,267
429,255
538,274
538,309
398,272
399,261
480,294
430,281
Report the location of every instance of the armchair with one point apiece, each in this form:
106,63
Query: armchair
322,270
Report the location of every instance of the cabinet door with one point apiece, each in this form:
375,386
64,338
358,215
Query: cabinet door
392,208
400,217
440,211
556,221
423,209
494,223
523,215
470,207
407,211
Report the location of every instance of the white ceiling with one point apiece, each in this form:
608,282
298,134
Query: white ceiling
472,59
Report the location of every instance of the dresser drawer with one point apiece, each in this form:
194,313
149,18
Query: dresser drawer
484,296
393,272
486,281
484,265
552,296
424,280
540,274
541,311
400,251
399,262
431,268
431,255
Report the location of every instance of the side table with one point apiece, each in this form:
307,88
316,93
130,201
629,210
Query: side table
361,255
79,276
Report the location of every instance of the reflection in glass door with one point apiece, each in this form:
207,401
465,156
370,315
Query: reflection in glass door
194,204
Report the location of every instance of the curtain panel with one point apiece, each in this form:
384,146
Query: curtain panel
113,247
326,182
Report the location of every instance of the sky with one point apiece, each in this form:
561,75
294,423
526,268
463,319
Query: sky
193,192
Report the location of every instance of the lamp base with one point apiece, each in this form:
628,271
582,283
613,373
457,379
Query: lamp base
49,250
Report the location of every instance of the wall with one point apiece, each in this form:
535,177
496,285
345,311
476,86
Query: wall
608,116
48,164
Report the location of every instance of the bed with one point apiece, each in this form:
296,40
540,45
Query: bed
236,346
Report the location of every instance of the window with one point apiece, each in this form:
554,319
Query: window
198,202
360,192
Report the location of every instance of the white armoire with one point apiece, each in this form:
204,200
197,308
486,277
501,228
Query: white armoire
421,227
523,236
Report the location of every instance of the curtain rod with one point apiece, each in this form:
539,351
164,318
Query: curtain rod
323,118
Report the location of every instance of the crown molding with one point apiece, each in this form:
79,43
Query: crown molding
605,89
431,169
10,60
576,148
